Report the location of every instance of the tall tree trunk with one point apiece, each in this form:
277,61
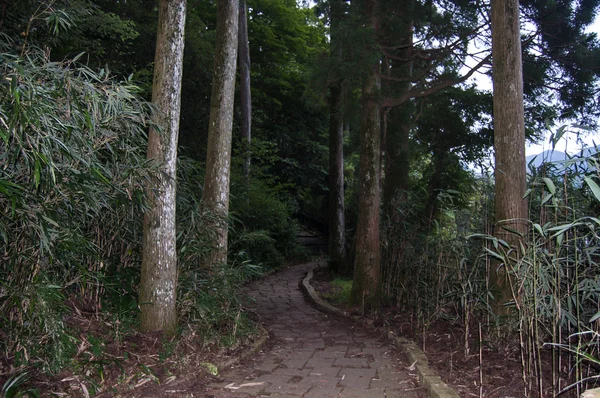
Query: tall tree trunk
215,196
367,272
158,284
337,221
245,94
509,136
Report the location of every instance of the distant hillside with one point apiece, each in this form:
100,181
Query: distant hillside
546,157
558,156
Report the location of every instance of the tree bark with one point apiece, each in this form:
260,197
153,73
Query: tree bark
337,221
158,284
215,196
367,272
509,136
245,94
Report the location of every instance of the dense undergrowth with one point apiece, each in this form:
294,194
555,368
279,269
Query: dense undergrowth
72,175
443,272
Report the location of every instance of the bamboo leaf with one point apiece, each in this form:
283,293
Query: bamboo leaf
539,229
550,185
101,176
51,221
555,137
594,187
547,198
36,173
494,254
595,317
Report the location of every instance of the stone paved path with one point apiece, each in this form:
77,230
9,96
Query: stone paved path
312,354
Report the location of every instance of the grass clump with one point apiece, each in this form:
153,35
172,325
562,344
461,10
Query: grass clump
340,291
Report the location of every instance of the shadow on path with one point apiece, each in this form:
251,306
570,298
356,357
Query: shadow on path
312,354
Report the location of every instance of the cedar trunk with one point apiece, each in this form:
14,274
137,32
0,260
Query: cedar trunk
337,221
245,94
215,196
509,137
367,272
158,284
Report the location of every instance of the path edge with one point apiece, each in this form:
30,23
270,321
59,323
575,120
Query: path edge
428,377
251,350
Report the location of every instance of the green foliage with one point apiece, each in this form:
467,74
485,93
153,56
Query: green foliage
341,291
554,275
559,64
209,302
441,270
432,269
72,174
262,234
263,229
12,388
285,40
208,299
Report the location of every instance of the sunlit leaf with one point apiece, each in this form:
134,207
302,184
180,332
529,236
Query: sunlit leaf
594,187
550,185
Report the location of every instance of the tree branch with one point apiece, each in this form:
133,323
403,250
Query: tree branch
392,102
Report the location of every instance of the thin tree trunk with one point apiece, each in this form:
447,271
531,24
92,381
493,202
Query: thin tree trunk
245,94
367,272
337,221
158,284
509,135
215,196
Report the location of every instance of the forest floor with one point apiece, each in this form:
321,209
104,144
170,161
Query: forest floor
472,367
133,364
307,354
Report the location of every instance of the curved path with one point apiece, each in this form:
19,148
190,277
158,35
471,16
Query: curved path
312,354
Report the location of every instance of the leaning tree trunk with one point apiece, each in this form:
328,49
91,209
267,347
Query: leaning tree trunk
365,287
245,94
509,137
337,221
215,196
158,284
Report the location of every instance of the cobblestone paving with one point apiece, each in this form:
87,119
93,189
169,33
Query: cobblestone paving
312,354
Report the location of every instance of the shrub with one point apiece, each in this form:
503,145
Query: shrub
72,171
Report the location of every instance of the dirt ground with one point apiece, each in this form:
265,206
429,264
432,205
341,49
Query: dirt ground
138,365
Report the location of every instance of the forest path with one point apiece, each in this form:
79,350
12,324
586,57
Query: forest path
312,354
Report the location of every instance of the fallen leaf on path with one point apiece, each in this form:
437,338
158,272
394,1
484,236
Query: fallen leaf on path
233,387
